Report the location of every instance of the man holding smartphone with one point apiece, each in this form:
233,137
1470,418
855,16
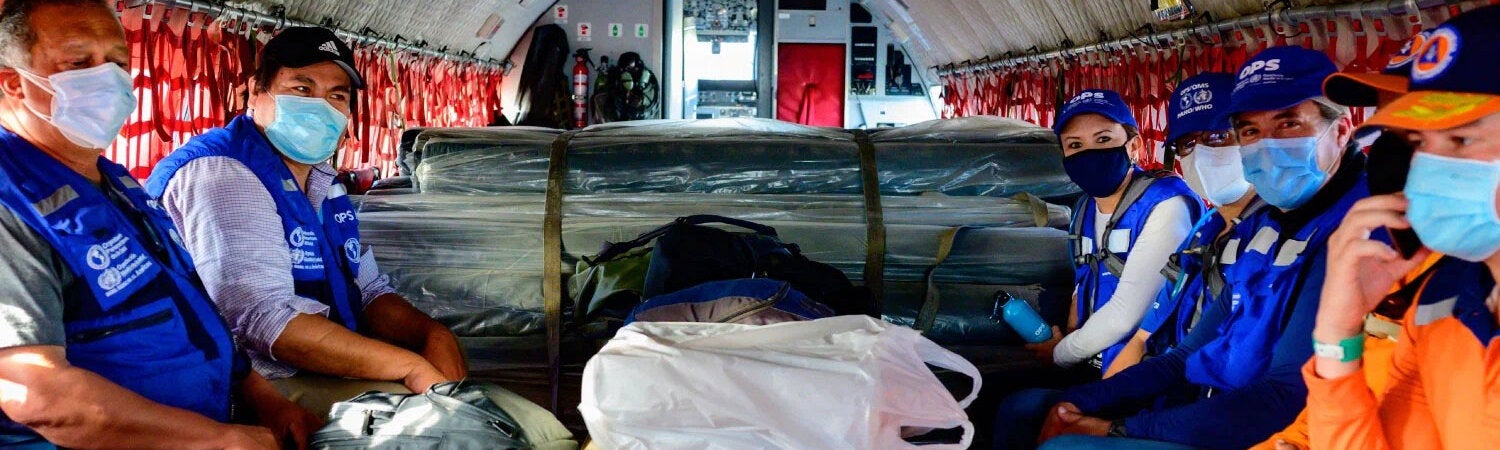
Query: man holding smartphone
1443,390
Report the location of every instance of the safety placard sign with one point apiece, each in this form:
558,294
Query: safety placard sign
585,32
641,30
560,13
616,30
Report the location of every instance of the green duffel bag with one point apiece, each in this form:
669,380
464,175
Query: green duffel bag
453,415
604,292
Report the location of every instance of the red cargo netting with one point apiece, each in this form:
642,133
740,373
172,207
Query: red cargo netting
192,73
1145,75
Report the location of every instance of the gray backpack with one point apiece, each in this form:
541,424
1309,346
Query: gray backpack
454,415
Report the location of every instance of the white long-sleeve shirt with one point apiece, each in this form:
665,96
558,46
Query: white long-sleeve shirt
230,226
1140,282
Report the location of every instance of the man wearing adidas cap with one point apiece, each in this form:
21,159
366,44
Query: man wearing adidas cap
1444,386
277,240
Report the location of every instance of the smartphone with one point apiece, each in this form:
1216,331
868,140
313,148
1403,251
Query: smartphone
1389,161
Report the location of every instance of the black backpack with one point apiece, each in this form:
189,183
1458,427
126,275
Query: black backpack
688,254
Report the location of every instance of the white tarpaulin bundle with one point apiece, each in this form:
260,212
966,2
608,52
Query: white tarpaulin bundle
848,382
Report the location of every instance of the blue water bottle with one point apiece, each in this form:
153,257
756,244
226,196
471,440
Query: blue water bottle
1022,318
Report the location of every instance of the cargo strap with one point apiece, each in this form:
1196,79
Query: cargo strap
1039,212
552,280
1212,255
1112,262
874,220
931,299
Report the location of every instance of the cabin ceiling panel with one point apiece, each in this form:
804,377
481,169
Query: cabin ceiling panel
454,24
961,30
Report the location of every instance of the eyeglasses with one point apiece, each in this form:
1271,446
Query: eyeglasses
1189,142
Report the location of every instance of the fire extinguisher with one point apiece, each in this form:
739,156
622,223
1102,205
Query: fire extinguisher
581,88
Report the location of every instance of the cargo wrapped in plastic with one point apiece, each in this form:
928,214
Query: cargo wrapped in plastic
749,156
475,262
468,248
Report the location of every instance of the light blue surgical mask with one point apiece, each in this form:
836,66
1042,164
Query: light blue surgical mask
89,106
306,129
1285,172
1452,205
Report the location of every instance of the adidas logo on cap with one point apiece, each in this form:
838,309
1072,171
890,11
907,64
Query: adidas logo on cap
329,47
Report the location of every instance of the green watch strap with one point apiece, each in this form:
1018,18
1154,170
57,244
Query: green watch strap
1349,349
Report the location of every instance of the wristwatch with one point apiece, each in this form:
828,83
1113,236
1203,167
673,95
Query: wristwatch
1349,349
1117,428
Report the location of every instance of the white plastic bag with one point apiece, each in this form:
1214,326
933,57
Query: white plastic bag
848,382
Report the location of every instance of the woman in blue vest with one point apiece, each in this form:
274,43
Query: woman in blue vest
107,339
1209,156
1123,232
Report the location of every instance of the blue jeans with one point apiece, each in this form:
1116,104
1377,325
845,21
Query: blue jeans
1074,441
33,442
1020,418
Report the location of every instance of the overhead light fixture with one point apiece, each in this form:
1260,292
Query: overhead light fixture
1172,10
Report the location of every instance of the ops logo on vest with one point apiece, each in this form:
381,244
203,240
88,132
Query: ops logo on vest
343,216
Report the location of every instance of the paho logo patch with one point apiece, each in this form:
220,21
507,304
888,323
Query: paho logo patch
301,238
351,250
1436,55
97,258
110,279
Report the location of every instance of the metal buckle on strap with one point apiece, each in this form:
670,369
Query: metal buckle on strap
1381,327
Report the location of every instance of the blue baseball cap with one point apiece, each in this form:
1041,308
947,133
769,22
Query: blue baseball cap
1452,76
1197,103
1364,89
1103,102
1279,78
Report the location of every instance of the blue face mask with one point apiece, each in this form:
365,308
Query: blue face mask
1452,205
89,106
307,130
1099,172
1285,172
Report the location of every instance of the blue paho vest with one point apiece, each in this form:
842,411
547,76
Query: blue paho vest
1263,285
1200,263
1093,281
136,313
324,247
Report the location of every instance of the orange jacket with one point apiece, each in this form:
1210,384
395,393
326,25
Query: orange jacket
1378,353
1444,386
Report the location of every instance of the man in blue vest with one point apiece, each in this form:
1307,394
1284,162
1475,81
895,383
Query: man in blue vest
1209,154
277,239
1235,379
107,339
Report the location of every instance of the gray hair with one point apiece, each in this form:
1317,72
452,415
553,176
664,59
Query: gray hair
1329,110
16,35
